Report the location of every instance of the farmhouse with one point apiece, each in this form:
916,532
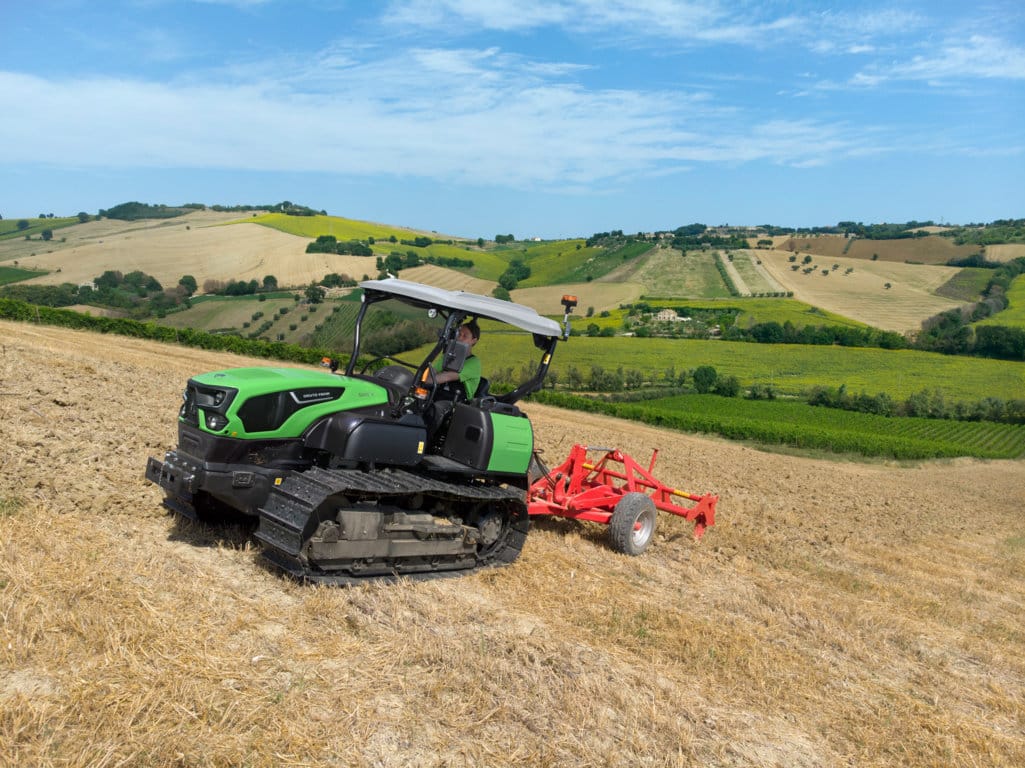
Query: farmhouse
669,316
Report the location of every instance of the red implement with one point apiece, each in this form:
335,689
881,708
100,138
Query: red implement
616,491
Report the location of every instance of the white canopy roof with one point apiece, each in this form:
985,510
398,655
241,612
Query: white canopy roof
472,303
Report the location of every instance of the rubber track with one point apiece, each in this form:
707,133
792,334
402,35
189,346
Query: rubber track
288,519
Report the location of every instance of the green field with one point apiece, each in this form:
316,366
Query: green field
744,262
752,311
15,274
1014,315
966,285
669,273
487,264
803,426
789,369
9,227
570,261
314,226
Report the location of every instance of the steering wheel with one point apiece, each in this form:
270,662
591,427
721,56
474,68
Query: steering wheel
429,383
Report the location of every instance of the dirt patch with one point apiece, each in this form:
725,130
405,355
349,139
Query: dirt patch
837,614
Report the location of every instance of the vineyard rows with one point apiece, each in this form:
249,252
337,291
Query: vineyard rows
804,426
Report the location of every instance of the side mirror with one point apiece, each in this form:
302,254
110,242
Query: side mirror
456,353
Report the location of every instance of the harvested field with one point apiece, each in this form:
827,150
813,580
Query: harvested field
184,246
861,294
450,279
93,232
597,294
1005,252
838,614
913,250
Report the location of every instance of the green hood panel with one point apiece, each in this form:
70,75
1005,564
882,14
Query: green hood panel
273,402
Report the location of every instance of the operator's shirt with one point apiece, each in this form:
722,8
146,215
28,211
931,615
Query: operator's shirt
469,376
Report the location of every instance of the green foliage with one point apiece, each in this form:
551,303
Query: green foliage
704,378
999,231
796,424
334,280
188,284
330,244
63,295
314,294
134,211
790,369
1013,313
697,237
453,262
725,275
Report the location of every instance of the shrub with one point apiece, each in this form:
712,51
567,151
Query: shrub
704,378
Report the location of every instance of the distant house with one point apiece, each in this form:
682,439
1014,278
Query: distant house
667,316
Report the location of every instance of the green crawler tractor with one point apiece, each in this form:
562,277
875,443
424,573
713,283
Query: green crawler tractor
376,473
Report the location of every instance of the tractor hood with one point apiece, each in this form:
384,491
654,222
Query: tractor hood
271,402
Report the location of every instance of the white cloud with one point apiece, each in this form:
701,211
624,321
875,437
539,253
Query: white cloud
978,57
451,114
652,22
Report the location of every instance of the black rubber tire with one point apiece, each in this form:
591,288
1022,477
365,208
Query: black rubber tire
624,535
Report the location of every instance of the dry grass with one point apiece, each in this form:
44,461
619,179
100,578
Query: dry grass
1005,251
190,245
862,293
838,614
450,279
919,250
598,294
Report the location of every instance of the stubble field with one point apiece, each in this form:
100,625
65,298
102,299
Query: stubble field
838,614
194,244
862,294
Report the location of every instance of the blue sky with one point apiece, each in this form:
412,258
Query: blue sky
558,118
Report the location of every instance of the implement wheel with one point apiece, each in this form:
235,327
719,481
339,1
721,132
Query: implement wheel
632,524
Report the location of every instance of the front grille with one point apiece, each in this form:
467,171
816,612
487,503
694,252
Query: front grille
201,397
189,412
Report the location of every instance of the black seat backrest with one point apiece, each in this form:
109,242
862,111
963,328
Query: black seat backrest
483,388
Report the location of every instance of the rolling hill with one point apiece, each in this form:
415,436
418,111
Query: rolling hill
886,291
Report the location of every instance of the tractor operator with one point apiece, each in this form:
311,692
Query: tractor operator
469,376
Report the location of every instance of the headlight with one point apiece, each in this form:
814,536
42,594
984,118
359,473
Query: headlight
215,422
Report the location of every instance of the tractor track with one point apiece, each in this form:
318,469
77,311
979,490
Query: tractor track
293,510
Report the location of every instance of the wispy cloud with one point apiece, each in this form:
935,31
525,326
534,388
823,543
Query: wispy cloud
653,22
442,113
453,111
978,57
682,20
